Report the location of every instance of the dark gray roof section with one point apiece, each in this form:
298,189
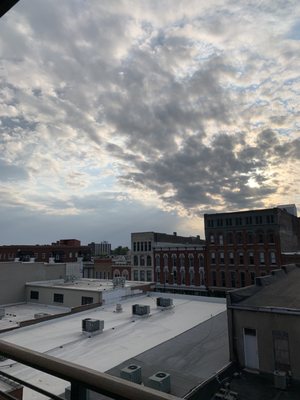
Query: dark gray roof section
279,290
190,358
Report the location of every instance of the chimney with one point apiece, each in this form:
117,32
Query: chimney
175,233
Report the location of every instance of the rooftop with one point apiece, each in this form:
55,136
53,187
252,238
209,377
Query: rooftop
195,327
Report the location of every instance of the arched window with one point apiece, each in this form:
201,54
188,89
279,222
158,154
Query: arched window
157,260
135,260
191,261
165,260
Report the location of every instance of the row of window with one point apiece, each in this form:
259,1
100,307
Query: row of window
242,237
240,258
231,280
102,275
180,278
59,297
142,261
239,221
142,275
26,257
180,260
142,246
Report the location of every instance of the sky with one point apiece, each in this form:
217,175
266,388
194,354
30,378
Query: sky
142,115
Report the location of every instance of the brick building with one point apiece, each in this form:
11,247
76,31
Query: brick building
180,266
142,247
244,245
67,250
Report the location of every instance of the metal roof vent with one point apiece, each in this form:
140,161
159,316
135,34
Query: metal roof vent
164,303
141,310
119,308
160,381
132,373
91,327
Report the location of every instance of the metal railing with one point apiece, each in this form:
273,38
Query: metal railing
81,378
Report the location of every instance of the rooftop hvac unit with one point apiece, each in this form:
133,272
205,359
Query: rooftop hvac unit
140,309
164,302
160,381
92,326
2,358
132,373
280,380
2,312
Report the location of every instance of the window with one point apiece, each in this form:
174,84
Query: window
202,280
231,258
238,221
134,246
281,350
174,260
228,221
232,278
213,258
135,260
270,219
222,259
43,256
250,237
223,278
242,276
258,219
34,295
157,276
142,246
230,238
261,257
142,275
239,238
157,260
149,261
252,277
201,261
182,276
241,258
212,239
138,246
149,276
58,298
182,260
86,300
260,237
272,258
249,220
251,258
219,222
191,261
271,237
192,275
221,241
210,223
142,261
165,260
135,275
174,276
214,278
145,246
149,246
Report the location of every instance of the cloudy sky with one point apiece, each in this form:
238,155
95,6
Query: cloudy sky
133,115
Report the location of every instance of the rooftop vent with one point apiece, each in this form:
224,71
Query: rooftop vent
160,381
164,303
140,309
92,326
119,308
132,373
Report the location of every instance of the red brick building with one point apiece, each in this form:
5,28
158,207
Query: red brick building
180,266
67,250
244,245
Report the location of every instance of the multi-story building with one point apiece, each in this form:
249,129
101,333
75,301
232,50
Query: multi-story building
142,246
180,266
246,244
67,250
100,249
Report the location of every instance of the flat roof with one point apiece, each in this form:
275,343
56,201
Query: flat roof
26,311
124,337
97,285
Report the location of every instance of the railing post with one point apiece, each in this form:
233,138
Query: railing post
78,392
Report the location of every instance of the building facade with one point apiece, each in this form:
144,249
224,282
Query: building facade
180,266
244,245
68,250
142,251
100,249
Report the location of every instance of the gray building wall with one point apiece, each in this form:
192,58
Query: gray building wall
14,275
264,323
72,297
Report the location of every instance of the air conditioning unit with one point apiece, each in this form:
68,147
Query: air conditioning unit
160,381
132,373
140,309
280,381
2,312
119,308
92,326
164,302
